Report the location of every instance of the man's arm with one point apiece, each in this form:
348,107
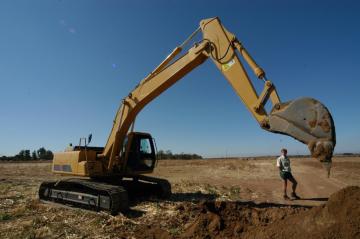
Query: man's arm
279,164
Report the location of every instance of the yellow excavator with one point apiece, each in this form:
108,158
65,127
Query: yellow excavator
102,171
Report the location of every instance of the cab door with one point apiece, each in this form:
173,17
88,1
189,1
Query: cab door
141,155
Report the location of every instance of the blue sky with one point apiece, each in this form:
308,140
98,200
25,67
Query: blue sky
65,65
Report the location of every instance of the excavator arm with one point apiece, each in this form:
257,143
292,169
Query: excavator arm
304,119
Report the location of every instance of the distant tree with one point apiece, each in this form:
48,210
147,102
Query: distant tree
160,154
20,155
169,155
49,155
41,152
34,155
27,155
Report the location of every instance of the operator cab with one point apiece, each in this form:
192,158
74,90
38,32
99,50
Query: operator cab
141,155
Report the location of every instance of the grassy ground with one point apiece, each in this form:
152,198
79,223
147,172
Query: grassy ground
23,216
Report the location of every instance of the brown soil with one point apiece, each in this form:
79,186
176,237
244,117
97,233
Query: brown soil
223,198
233,219
338,218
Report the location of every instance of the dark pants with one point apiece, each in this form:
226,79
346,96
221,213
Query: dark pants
288,176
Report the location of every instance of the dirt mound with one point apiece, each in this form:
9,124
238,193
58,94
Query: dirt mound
338,218
222,219
233,219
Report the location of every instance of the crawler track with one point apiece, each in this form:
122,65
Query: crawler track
87,194
163,187
108,195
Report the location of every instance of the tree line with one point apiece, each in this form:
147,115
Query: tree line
44,154
27,154
161,154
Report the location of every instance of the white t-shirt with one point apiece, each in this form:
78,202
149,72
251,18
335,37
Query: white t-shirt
284,163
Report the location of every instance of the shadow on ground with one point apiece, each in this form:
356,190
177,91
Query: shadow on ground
315,199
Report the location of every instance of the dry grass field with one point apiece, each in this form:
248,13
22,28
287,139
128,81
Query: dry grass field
215,198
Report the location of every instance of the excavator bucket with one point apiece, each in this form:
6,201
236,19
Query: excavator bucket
308,121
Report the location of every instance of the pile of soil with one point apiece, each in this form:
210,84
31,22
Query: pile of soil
221,219
338,218
234,219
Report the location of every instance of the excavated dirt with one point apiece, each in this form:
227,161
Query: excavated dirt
233,219
338,218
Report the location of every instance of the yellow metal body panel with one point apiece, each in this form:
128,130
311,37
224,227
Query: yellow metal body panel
80,163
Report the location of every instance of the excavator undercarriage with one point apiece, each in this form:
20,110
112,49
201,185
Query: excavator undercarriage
86,194
109,194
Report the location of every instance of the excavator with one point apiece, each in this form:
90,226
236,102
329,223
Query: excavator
100,172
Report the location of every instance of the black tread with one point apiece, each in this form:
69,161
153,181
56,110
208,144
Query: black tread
164,186
117,195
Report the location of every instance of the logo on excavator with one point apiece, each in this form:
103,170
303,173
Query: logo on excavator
64,168
227,65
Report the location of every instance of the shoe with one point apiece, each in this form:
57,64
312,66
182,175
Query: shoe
294,196
286,197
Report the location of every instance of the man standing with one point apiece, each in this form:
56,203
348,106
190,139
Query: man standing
283,163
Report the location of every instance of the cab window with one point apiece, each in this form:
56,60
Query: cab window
145,146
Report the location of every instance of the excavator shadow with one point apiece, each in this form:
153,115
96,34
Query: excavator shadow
136,199
315,199
139,191
252,204
133,213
